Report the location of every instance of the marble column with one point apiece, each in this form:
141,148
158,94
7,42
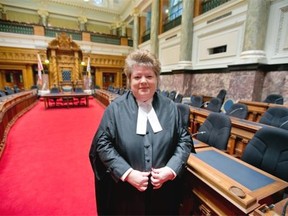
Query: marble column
255,31
135,29
154,27
123,30
114,29
82,23
185,58
44,15
1,11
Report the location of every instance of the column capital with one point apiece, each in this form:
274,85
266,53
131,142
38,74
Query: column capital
82,19
123,24
113,25
3,9
135,12
43,13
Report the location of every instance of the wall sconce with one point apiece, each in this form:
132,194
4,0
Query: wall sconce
46,61
83,63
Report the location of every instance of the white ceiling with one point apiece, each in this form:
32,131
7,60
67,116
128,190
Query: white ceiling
108,11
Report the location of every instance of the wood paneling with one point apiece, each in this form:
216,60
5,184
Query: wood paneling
12,108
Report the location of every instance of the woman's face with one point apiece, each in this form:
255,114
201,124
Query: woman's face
143,82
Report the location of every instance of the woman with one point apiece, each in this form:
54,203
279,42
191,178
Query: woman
140,148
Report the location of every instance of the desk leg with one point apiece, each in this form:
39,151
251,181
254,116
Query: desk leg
87,101
45,103
68,101
231,144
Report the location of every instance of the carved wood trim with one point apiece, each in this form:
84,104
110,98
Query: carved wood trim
18,105
18,55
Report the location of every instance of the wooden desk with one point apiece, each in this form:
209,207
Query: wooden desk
105,96
213,173
11,108
199,144
257,109
67,97
242,130
277,209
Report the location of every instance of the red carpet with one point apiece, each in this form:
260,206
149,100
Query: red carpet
45,168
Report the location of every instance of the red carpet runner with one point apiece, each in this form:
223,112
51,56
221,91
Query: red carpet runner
45,168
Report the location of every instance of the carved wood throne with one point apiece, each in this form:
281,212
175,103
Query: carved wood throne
65,61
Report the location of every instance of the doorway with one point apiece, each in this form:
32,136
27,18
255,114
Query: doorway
14,78
109,80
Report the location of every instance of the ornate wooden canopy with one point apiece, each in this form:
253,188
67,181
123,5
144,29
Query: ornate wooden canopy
65,60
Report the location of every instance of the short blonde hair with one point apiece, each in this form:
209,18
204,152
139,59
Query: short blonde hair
144,58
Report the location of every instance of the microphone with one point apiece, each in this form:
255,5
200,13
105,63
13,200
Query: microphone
284,209
200,132
278,99
233,111
283,123
205,104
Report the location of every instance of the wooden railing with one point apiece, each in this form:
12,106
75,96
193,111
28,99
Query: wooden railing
257,109
11,108
105,96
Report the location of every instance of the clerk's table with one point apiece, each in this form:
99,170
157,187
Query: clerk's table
67,97
229,186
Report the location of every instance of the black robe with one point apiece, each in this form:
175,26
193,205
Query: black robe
116,147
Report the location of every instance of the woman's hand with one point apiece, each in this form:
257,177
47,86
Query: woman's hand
160,176
138,179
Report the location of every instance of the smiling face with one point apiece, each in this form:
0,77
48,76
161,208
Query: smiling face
143,82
